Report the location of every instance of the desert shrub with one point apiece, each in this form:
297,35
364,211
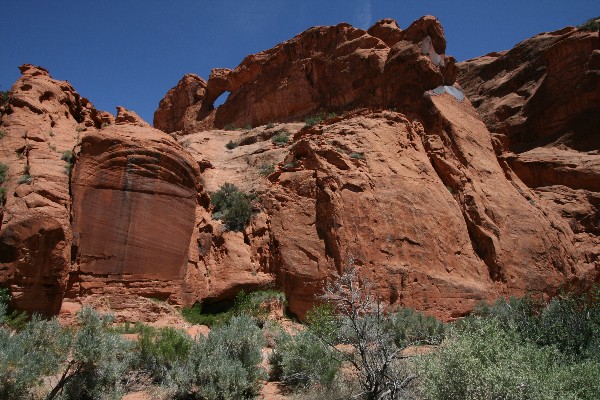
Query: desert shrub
3,172
13,319
158,350
3,133
342,388
249,304
358,156
282,138
482,360
229,127
591,25
231,145
571,322
303,360
360,324
233,206
67,156
26,177
224,365
27,356
270,125
413,328
98,359
2,196
266,169
247,127
314,119
5,100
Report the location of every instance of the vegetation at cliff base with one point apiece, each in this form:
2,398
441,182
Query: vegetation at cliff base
348,348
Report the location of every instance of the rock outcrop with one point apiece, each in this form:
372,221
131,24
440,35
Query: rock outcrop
333,68
94,204
545,90
542,101
401,179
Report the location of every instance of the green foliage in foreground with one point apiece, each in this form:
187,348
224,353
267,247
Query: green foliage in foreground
512,349
233,206
224,365
303,360
485,361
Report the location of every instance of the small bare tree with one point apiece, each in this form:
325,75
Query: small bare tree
361,324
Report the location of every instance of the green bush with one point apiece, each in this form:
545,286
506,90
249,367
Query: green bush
3,172
282,138
270,125
249,304
233,206
266,169
230,127
303,360
98,360
231,145
29,355
358,156
314,119
13,319
591,25
3,133
158,350
482,360
571,322
67,156
224,365
414,328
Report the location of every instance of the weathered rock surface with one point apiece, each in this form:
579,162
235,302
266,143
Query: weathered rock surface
542,98
134,205
181,105
544,90
423,200
333,68
95,205
427,214
45,121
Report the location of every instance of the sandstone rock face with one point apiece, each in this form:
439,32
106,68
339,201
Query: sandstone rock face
408,184
427,214
332,68
94,205
545,90
134,205
45,120
179,108
542,98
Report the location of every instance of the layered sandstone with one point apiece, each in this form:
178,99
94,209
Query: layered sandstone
542,98
44,123
402,179
94,204
332,68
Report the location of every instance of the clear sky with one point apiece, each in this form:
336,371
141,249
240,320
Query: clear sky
130,52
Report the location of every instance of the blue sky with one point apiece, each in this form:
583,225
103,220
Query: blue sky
130,52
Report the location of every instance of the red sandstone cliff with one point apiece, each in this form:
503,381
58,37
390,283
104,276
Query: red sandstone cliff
542,100
405,184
